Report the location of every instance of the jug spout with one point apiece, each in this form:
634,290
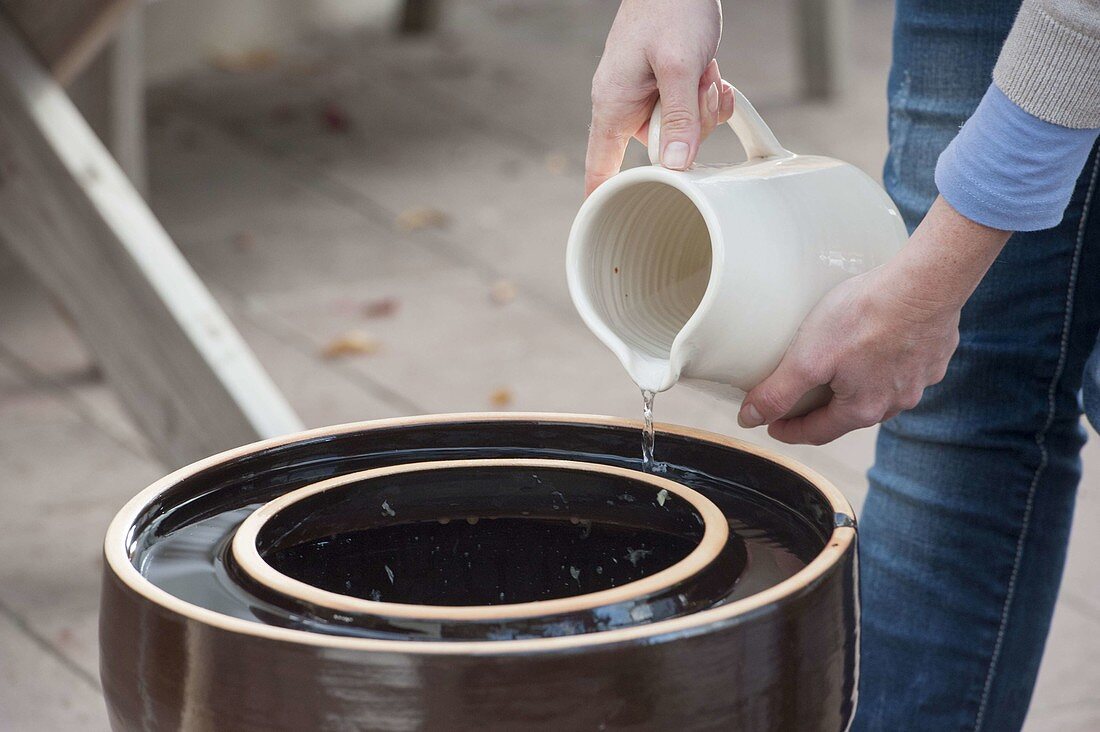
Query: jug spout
651,373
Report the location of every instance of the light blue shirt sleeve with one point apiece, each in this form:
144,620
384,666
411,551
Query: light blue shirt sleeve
1010,170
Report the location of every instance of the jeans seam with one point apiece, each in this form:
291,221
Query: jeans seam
1040,441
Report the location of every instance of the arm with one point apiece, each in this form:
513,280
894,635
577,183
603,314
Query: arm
1050,63
1015,161
657,48
880,338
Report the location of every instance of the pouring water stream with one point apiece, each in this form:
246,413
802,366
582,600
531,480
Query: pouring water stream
649,465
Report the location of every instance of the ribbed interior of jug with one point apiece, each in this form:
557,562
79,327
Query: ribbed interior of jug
647,264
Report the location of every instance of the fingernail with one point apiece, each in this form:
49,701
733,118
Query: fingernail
675,155
749,417
712,99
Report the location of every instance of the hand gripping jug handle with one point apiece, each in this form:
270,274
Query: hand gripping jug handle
755,136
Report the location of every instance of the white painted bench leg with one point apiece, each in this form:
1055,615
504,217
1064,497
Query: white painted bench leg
823,46
71,215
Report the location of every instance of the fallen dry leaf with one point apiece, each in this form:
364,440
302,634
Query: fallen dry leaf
244,241
383,307
556,163
65,636
256,59
421,217
352,343
335,118
502,397
502,292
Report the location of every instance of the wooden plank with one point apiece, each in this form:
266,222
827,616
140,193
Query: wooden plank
66,34
40,690
70,214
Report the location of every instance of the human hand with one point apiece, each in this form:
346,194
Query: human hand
880,338
657,48
873,344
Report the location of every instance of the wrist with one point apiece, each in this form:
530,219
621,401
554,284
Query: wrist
946,257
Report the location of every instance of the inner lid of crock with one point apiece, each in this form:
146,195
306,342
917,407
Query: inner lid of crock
488,533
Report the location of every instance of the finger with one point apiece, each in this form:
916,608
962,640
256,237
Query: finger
708,110
680,126
725,102
711,75
776,395
709,118
607,142
709,99
837,418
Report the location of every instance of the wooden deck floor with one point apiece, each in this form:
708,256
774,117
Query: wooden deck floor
407,179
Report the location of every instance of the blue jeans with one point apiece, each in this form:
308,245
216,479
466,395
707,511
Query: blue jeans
963,536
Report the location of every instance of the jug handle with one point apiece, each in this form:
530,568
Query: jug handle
755,136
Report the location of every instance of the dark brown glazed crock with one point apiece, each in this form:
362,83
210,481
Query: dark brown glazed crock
781,657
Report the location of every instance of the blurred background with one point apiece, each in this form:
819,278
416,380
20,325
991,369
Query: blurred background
383,216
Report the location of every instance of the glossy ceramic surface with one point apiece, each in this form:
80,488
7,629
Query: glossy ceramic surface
705,275
762,635
489,548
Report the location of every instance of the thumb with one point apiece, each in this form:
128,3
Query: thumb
777,395
680,127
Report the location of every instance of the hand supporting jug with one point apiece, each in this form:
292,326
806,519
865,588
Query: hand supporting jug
705,275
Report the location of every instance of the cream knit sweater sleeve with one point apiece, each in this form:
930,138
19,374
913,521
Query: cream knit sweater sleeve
1050,63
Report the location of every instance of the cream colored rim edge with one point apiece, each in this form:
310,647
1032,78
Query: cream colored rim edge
119,563
715,534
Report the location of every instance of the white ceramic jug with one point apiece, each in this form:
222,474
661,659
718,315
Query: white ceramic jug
705,275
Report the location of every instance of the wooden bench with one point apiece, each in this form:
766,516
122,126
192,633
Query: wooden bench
75,219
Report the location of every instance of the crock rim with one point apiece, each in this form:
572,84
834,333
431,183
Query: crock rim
118,563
